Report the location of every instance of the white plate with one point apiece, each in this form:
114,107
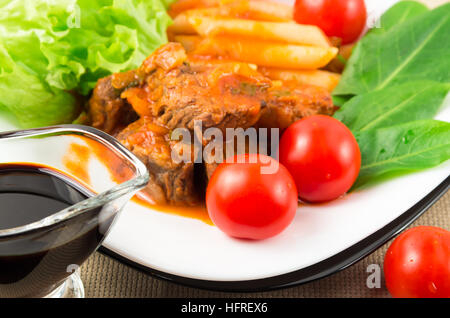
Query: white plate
322,239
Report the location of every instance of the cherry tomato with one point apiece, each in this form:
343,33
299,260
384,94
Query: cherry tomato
322,155
341,18
417,264
249,199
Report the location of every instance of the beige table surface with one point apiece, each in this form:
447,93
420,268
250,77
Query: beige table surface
105,277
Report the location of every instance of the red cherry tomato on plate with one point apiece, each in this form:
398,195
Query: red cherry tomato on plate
246,201
417,264
322,155
341,18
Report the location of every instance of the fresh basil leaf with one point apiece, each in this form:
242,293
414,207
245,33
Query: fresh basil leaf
417,49
404,148
393,105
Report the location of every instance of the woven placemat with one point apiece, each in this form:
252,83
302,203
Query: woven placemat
106,277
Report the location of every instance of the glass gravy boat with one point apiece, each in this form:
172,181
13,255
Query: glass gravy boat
41,259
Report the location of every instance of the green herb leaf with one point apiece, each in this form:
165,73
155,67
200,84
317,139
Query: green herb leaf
340,100
404,148
393,105
248,88
399,13
418,49
400,74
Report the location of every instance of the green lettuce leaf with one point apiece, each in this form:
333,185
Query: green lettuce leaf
52,51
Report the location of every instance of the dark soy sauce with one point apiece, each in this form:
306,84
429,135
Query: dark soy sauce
35,262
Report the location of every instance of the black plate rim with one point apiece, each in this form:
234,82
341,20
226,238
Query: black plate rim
320,270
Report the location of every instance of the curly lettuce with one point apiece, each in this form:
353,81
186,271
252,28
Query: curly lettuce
53,51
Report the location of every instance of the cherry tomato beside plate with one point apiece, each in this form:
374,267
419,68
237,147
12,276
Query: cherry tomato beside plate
254,199
417,264
341,18
322,155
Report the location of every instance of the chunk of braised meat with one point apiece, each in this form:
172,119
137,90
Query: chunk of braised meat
171,90
287,103
284,106
107,110
229,149
177,91
170,182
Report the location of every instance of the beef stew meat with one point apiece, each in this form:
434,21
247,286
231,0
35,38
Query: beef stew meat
173,90
171,181
107,110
